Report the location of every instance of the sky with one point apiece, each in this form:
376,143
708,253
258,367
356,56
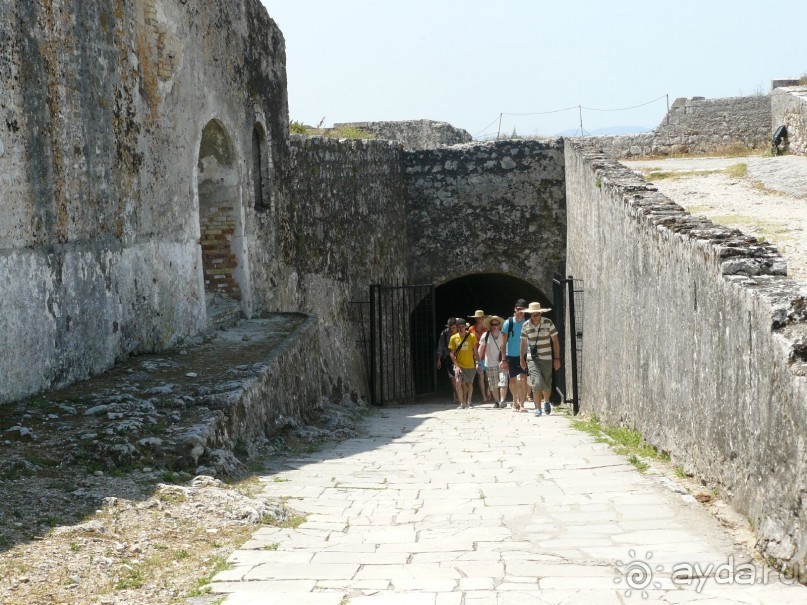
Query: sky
471,62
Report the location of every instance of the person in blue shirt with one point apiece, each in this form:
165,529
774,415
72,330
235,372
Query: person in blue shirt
512,347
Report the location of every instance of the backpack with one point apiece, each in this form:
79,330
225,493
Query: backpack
510,331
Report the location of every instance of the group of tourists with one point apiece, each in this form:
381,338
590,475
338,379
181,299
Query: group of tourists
512,354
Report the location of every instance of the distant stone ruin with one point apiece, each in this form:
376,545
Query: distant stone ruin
414,134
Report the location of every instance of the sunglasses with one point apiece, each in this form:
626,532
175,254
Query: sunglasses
494,325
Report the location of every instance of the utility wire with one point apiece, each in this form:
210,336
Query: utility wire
625,108
486,127
540,113
578,107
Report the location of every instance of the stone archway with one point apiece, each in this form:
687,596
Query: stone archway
495,293
221,236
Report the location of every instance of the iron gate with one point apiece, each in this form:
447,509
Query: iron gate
568,303
399,349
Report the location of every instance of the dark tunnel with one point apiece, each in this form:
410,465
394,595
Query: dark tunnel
494,293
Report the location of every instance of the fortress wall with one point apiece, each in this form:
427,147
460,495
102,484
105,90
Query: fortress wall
414,134
693,336
339,226
102,106
698,126
496,207
789,108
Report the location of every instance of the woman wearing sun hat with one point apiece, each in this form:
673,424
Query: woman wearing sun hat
490,354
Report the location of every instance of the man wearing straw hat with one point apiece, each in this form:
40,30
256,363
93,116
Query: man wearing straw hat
478,329
540,352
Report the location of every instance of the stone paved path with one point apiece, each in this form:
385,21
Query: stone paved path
438,506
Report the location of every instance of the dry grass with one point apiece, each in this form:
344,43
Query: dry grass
345,132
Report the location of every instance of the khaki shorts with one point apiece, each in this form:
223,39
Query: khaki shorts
540,375
466,376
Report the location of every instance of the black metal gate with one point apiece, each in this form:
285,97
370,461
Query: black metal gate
400,348
568,306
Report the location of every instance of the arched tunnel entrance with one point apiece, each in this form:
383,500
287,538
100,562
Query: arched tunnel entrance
495,293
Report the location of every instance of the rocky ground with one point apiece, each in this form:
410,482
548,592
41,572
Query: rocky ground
762,196
78,528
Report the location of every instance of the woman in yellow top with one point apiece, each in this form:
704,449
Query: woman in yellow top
463,350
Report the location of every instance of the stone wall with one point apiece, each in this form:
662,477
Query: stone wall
339,226
698,126
414,134
496,207
789,108
694,336
102,107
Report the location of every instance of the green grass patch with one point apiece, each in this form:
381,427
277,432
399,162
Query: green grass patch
737,171
660,175
640,464
291,522
202,587
130,578
625,441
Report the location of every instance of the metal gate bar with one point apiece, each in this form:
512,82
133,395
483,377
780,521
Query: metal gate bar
568,296
401,344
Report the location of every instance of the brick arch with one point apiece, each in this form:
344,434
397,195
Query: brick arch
220,223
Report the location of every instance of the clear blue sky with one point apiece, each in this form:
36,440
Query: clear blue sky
465,62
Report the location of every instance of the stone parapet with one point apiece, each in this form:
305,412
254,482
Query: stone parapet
789,109
699,126
694,336
414,134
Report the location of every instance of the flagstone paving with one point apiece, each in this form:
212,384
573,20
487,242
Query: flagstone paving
438,506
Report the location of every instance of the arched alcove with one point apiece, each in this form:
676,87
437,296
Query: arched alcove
220,227
261,169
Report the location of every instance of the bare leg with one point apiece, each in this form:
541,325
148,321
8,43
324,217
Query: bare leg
523,383
514,392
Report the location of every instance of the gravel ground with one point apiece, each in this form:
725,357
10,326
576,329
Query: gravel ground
73,534
766,199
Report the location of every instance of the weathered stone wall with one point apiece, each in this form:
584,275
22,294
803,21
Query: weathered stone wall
789,108
699,125
339,226
415,134
694,336
102,106
496,207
